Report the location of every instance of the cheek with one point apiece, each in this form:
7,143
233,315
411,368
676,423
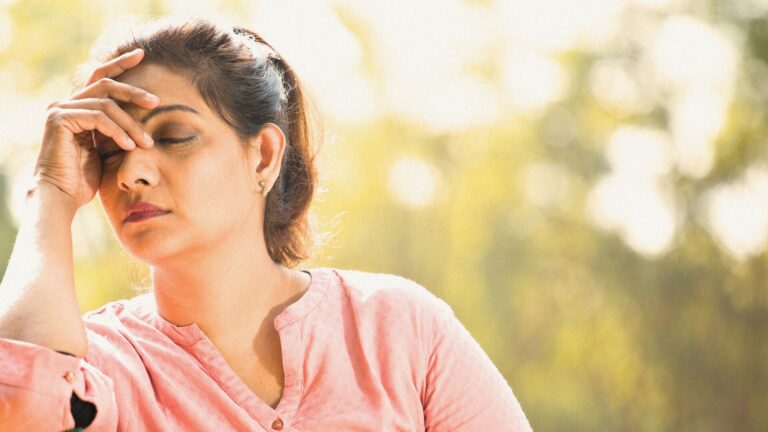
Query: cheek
107,200
215,186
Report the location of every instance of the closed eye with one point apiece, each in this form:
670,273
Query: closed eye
175,140
106,155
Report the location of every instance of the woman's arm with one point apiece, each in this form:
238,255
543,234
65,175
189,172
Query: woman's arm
38,302
39,315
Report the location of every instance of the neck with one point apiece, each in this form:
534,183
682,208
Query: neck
231,292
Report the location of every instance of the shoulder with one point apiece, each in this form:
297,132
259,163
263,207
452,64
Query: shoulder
112,330
391,293
116,311
393,317
119,322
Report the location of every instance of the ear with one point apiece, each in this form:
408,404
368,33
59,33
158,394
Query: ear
265,154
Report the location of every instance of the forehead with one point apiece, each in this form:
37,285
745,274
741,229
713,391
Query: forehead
171,87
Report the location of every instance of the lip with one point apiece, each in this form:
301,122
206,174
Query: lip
141,210
140,216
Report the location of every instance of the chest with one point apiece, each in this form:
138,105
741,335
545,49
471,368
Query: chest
266,384
261,371
340,382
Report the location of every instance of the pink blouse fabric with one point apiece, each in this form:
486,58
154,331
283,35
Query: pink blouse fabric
361,352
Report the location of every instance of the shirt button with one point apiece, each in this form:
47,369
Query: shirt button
70,377
277,424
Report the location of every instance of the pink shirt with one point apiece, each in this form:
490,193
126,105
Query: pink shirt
361,352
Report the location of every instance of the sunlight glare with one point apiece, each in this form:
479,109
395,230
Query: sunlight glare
423,56
532,81
737,214
413,182
634,199
653,4
688,52
616,88
696,119
556,25
696,63
325,53
638,209
197,7
639,151
6,31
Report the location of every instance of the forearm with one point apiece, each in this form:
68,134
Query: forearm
38,301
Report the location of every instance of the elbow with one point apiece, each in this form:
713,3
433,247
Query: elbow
78,350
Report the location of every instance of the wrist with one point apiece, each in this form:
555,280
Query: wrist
51,195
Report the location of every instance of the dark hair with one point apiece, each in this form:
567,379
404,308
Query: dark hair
245,80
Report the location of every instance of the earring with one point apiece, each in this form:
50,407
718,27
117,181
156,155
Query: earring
262,185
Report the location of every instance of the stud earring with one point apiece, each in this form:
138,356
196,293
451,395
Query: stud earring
263,186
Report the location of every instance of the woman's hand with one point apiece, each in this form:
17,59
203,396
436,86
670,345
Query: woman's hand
68,158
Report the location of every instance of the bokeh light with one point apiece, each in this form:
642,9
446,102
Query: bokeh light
413,182
738,214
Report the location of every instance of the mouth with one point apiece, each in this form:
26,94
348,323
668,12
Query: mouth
144,215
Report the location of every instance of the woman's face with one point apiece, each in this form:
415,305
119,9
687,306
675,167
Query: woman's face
196,170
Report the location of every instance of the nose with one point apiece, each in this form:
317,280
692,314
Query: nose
138,170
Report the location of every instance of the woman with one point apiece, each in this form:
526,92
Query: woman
197,139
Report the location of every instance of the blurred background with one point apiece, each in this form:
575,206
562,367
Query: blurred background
585,182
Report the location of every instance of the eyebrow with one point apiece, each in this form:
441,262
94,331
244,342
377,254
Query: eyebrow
166,108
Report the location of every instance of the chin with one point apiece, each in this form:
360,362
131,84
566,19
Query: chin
150,246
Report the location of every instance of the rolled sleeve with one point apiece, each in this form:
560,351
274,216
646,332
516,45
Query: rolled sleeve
37,385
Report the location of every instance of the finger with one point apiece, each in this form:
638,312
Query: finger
81,120
109,88
116,66
116,114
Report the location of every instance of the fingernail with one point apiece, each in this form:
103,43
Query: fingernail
148,139
152,98
131,143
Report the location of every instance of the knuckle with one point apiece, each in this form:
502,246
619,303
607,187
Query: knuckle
100,116
107,104
54,114
92,77
57,120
